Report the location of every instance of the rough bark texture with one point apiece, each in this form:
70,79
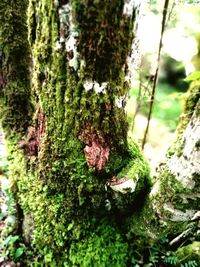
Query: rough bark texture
82,187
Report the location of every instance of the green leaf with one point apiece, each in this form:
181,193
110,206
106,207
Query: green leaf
193,76
19,252
70,226
48,257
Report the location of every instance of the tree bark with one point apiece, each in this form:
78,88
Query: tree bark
82,186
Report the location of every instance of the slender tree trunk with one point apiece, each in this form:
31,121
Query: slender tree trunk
82,187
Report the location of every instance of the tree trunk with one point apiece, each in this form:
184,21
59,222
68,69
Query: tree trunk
76,178
82,187
172,206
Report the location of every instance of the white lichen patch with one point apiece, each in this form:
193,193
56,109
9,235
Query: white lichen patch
133,61
62,39
70,43
129,6
108,204
196,216
68,35
99,88
64,22
185,167
177,215
56,3
120,101
66,7
126,187
57,46
88,85
155,189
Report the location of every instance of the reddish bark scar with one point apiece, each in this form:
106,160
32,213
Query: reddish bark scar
96,150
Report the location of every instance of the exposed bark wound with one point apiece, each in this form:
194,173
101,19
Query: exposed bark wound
96,150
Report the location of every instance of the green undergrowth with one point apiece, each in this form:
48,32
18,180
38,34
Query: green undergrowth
189,256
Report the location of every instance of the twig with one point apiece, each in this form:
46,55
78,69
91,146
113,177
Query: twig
180,237
140,97
156,73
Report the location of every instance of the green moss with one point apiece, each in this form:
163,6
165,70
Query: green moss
105,38
189,253
135,168
190,102
15,101
171,191
66,190
102,247
190,106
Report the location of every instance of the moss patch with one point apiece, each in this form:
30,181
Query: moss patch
190,106
189,254
102,247
15,101
105,37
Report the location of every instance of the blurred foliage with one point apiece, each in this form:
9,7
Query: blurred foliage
193,76
173,73
167,104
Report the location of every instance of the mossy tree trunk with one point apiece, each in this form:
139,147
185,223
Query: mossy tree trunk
172,206
82,187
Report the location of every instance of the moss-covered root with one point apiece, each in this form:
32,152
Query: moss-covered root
130,184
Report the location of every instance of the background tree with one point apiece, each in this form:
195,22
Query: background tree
82,189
